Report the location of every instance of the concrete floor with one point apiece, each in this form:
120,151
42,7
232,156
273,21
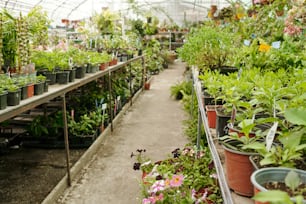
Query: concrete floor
154,123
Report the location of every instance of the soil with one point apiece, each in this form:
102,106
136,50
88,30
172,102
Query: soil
282,186
28,175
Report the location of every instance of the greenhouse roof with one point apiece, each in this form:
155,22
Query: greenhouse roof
80,9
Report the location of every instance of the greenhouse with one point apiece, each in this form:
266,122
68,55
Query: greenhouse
153,101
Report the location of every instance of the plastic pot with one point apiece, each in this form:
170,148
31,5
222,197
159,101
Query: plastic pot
62,77
3,100
221,123
39,88
80,72
13,97
238,170
273,174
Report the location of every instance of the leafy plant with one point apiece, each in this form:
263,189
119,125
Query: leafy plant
186,177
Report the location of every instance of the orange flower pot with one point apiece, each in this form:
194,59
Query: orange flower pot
211,115
239,170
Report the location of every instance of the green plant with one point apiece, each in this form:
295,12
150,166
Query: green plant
208,48
38,126
276,197
38,22
290,151
40,78
246,126
187,177
180,88
292,183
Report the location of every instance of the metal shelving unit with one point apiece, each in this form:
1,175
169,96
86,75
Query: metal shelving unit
61,90
202,121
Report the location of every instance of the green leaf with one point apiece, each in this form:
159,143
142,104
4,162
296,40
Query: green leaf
292,180
296,116
274,196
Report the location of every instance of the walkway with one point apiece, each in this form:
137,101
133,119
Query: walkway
154,123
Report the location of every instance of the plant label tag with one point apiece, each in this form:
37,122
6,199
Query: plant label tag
72,114
253,118
104,105
270,136
233,116
276,44
239,73
247,42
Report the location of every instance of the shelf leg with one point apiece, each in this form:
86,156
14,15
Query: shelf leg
66,140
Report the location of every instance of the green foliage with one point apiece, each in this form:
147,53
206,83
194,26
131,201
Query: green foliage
185,178
276,197
180,88
38,23
208,48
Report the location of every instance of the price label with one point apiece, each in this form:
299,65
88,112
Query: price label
276,44
247,42
118,98
270,136
104,105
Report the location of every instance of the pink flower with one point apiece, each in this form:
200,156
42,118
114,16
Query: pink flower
176,180
158,186
146,200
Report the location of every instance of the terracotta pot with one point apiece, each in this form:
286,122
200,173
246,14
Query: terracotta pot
238,170
30,90
147,85
211,115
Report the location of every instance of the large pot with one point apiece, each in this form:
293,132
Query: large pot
273,174
238,170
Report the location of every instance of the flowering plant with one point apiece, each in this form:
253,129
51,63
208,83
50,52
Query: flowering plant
188,177
295,19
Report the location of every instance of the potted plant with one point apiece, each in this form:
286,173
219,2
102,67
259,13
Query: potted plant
3,98
39,85
186,177
14,94
292,181
237,163
290,146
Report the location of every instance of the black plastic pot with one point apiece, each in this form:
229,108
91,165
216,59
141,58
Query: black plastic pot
24,92
3,100
71,74
80,72
62,77
39,88
51,76
46,86
13,97
91,68
221,123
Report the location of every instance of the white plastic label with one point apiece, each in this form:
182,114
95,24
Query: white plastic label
270,136
253,118
247,42
276,44
118,98
104,105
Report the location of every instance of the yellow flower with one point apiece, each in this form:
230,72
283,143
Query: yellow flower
264,48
